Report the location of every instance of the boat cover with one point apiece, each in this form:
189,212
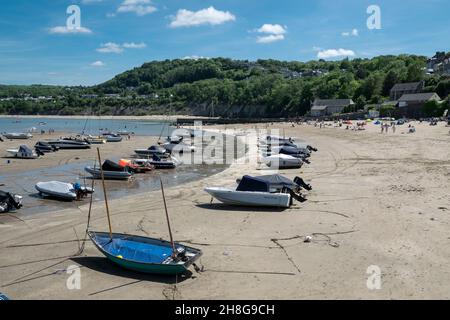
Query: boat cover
130,248
25,151
56,187
109,165
254,184
276,179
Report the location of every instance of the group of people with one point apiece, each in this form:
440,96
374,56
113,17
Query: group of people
385,127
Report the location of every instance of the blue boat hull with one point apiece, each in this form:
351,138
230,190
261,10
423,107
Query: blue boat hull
142,254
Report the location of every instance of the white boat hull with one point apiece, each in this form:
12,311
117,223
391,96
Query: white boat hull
20,155
108,175
251,199
59,190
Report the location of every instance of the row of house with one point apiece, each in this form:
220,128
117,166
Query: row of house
408,100
439,64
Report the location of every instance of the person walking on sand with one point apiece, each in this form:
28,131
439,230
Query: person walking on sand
382,127
393,127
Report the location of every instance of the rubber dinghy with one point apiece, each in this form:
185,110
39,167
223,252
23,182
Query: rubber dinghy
283,161
111,171
62,190
144,254
251,191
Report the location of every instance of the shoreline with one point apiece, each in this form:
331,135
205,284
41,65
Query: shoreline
149,117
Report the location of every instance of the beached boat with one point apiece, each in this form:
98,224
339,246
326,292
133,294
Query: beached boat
62,190
251,191
178,148
111,171
64,144
153,150
283,161
135,166
112,137
164,163
24,152
44,147
18,136
96,140
144,254
277,182
9,202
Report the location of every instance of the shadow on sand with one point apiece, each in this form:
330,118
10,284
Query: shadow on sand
226,207
106,266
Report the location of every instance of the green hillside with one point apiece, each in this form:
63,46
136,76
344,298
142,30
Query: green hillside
225,87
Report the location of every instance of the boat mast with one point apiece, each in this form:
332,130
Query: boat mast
104,193
168,220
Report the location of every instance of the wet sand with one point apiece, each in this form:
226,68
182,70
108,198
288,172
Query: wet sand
377,200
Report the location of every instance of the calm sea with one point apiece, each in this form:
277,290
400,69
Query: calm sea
91,126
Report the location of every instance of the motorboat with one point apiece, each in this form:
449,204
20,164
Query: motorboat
96,140
112,137
111,171
66,144
283,161
254,192
159,163
44,147
9,202
153,150
24,152
136,167
178,148
18,136
63,190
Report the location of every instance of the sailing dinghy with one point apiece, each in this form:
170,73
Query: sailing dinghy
143,254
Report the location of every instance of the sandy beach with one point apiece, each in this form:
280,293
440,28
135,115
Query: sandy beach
377,200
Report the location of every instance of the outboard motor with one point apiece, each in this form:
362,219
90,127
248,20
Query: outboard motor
302,183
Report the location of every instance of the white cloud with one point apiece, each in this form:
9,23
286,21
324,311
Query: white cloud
353,33
132,45
98,64
110,47
275,32
334,53
317,48
65,30
272,29
140,7
194,57
270,38
186,18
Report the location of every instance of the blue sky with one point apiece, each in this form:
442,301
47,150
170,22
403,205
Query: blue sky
117,35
